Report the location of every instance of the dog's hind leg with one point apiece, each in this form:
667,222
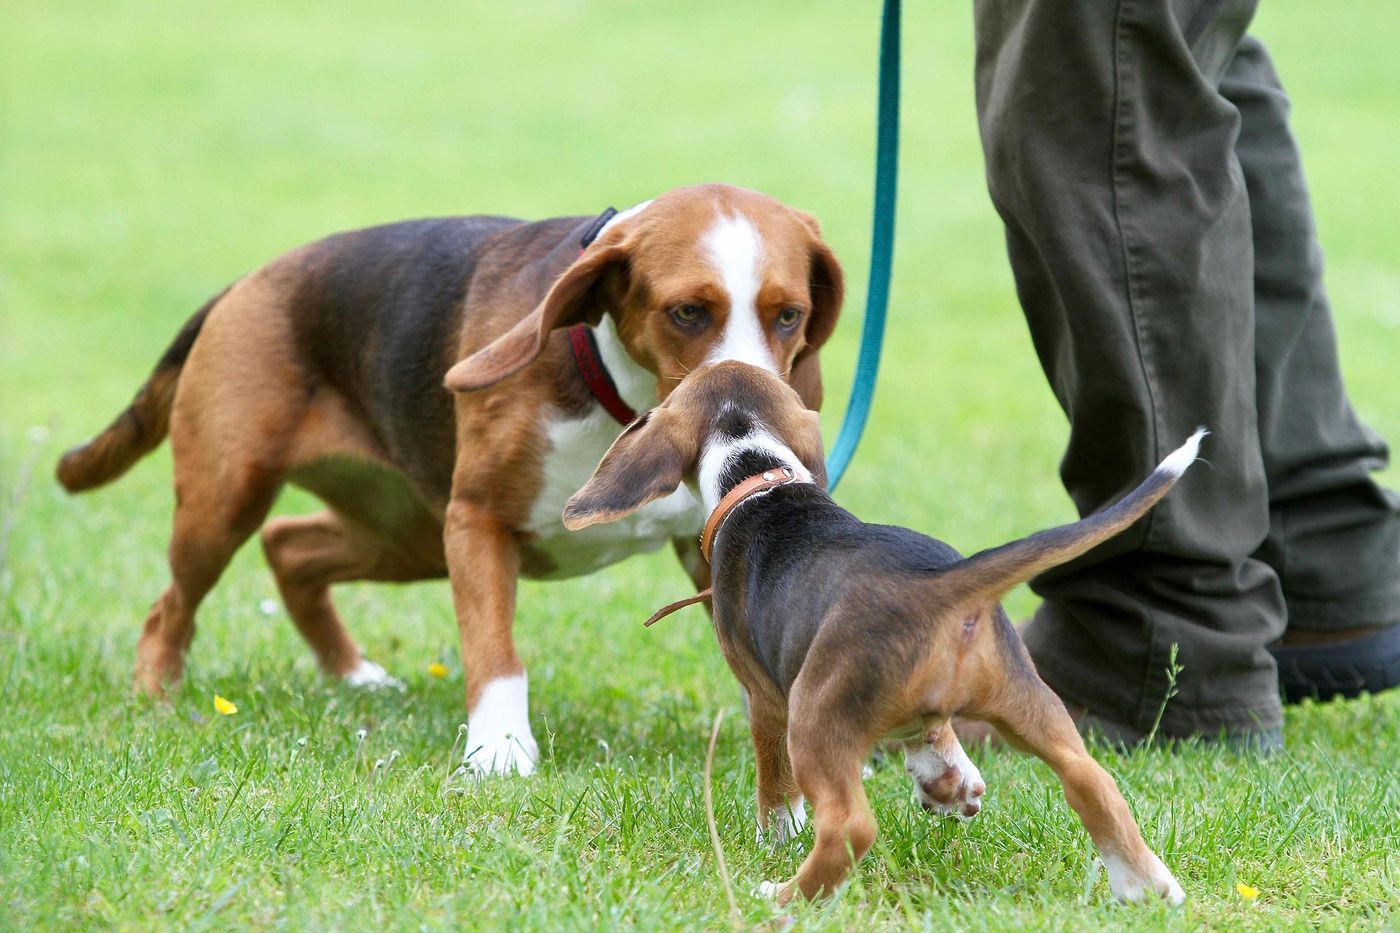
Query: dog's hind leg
233,417
212,520
307,554
1030,716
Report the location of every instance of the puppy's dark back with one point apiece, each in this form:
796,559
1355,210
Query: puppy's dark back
793,560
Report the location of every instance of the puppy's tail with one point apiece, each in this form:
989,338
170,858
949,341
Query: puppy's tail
989,574
141,427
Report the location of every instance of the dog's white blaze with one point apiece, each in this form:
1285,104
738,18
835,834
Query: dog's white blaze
718,450
1178,460
499,740
371,676
1128,884
736,252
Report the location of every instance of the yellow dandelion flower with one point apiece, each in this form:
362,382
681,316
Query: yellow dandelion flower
437,670
1246,891
224,707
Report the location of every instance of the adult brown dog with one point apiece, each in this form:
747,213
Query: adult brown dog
846,634
325,368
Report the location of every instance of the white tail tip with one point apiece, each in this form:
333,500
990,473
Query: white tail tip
1185,455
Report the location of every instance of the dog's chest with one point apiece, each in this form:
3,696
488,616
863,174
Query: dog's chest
552,552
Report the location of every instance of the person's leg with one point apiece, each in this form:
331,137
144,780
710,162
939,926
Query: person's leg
1111,157
1334,534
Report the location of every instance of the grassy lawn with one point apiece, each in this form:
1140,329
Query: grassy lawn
153,151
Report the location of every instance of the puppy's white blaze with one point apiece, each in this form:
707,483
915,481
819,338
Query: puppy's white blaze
736,252
499,740
718,450
1178,460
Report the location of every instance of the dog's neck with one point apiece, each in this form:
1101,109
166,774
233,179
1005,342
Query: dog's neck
636,386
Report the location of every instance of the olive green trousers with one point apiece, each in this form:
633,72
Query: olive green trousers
1166,258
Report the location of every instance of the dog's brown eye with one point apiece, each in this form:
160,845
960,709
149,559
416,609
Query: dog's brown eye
689,315
788,317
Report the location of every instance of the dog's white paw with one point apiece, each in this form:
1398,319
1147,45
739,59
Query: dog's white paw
947,784
1147,879
785,823
370,676
501,755
499,740
770,889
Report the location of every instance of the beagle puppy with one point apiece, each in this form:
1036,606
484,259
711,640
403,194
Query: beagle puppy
846,635
443,386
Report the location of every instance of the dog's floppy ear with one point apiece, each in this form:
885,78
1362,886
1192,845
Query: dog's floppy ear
826,285
647,461
570,301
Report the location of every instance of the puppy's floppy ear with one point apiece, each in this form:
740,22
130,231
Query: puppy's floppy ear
572,300
647,461
826,285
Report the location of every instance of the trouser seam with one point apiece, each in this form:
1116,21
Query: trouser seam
1121,125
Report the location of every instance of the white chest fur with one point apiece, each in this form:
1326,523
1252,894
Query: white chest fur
576,446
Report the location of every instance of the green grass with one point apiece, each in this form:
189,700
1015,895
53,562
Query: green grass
151,152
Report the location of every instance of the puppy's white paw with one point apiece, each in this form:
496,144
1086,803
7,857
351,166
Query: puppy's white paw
1148,878
785,823
370,676
770,889
947,784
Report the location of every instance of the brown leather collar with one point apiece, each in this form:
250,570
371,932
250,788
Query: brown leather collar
759,482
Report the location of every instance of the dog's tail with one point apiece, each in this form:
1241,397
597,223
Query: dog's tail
990,574
141,427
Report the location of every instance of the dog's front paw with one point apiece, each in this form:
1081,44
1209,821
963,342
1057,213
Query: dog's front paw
499,740
501,754
370,676
947,785
1148,878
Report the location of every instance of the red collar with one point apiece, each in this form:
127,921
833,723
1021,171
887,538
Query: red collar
590,366
585,346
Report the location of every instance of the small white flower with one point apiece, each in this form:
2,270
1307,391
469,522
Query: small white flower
268,606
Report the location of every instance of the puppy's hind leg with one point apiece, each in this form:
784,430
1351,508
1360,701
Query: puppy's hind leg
1030,716
828,770
782,813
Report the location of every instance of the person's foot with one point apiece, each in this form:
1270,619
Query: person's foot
1341,663
1096,728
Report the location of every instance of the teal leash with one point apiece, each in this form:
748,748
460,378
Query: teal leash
877,295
